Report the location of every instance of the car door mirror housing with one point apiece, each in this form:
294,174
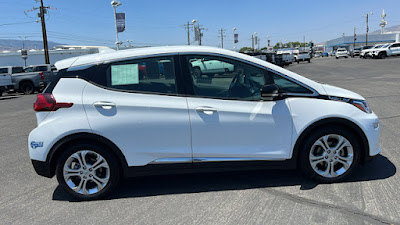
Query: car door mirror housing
271,92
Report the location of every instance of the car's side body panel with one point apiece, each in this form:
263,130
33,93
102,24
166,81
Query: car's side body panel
145,127
53,126
240,129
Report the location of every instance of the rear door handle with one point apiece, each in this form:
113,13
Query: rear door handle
104,105
207,110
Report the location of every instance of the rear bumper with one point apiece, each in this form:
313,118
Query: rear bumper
42,168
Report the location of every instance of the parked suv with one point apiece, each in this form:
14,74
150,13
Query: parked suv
341,52
366,50
101,120
386,50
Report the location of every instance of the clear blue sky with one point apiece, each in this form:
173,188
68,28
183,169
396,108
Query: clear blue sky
160,22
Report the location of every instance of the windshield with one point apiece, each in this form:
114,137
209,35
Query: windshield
378,46
384,46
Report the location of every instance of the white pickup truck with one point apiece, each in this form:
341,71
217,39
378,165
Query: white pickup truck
5,80
30,79
302,56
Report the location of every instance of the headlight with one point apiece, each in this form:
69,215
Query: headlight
360,104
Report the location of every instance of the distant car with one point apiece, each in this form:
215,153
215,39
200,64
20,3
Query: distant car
368,49
5,79
342,52
302,56
386,50
356,52
325,54
210,67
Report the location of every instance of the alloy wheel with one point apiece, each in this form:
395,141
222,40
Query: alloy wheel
331,155
86,172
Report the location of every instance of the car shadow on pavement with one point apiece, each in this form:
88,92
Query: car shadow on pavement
378,169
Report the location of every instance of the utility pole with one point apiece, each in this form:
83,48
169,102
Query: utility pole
253,40
366,34
42,11
44,33
355,38
221,33
187,27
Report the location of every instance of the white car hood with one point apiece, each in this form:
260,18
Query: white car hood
341,92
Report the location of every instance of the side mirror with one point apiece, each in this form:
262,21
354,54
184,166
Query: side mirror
271,92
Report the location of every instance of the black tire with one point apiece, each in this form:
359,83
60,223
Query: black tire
197,72
27,88
337,57
308,60
304,160
111,159
382,55
297,61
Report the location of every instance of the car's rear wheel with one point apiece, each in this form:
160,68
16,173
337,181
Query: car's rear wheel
330,154
197,73
27,88
382,55
87,171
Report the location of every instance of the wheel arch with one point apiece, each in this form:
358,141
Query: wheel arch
21,82
344,123
71,139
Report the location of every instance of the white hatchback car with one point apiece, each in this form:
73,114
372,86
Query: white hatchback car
341,52
144,111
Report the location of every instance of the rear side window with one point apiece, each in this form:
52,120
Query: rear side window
3,70
40,68
153,75
17,70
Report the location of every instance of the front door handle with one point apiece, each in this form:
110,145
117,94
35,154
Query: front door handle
207,110
104,105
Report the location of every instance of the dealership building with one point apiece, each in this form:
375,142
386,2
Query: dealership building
348,41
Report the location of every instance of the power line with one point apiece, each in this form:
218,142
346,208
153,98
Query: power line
6,24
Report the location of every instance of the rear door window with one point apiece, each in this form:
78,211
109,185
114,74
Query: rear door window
151,75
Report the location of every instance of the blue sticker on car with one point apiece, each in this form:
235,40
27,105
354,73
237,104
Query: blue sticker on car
35,144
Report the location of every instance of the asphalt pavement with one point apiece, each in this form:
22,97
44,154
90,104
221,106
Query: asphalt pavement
370,196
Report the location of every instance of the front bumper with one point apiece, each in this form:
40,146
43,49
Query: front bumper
42,168
370,125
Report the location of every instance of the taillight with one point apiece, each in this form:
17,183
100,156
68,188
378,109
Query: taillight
41,76
46,102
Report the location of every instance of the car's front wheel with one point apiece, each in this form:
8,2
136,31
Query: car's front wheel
330,154
87,171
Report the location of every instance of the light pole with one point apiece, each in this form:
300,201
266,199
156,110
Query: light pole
366,34
234,40
354,40
24,52
115,4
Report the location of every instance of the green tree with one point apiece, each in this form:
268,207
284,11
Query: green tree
245,49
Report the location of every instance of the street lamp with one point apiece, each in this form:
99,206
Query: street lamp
115,4
24,52
234,41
